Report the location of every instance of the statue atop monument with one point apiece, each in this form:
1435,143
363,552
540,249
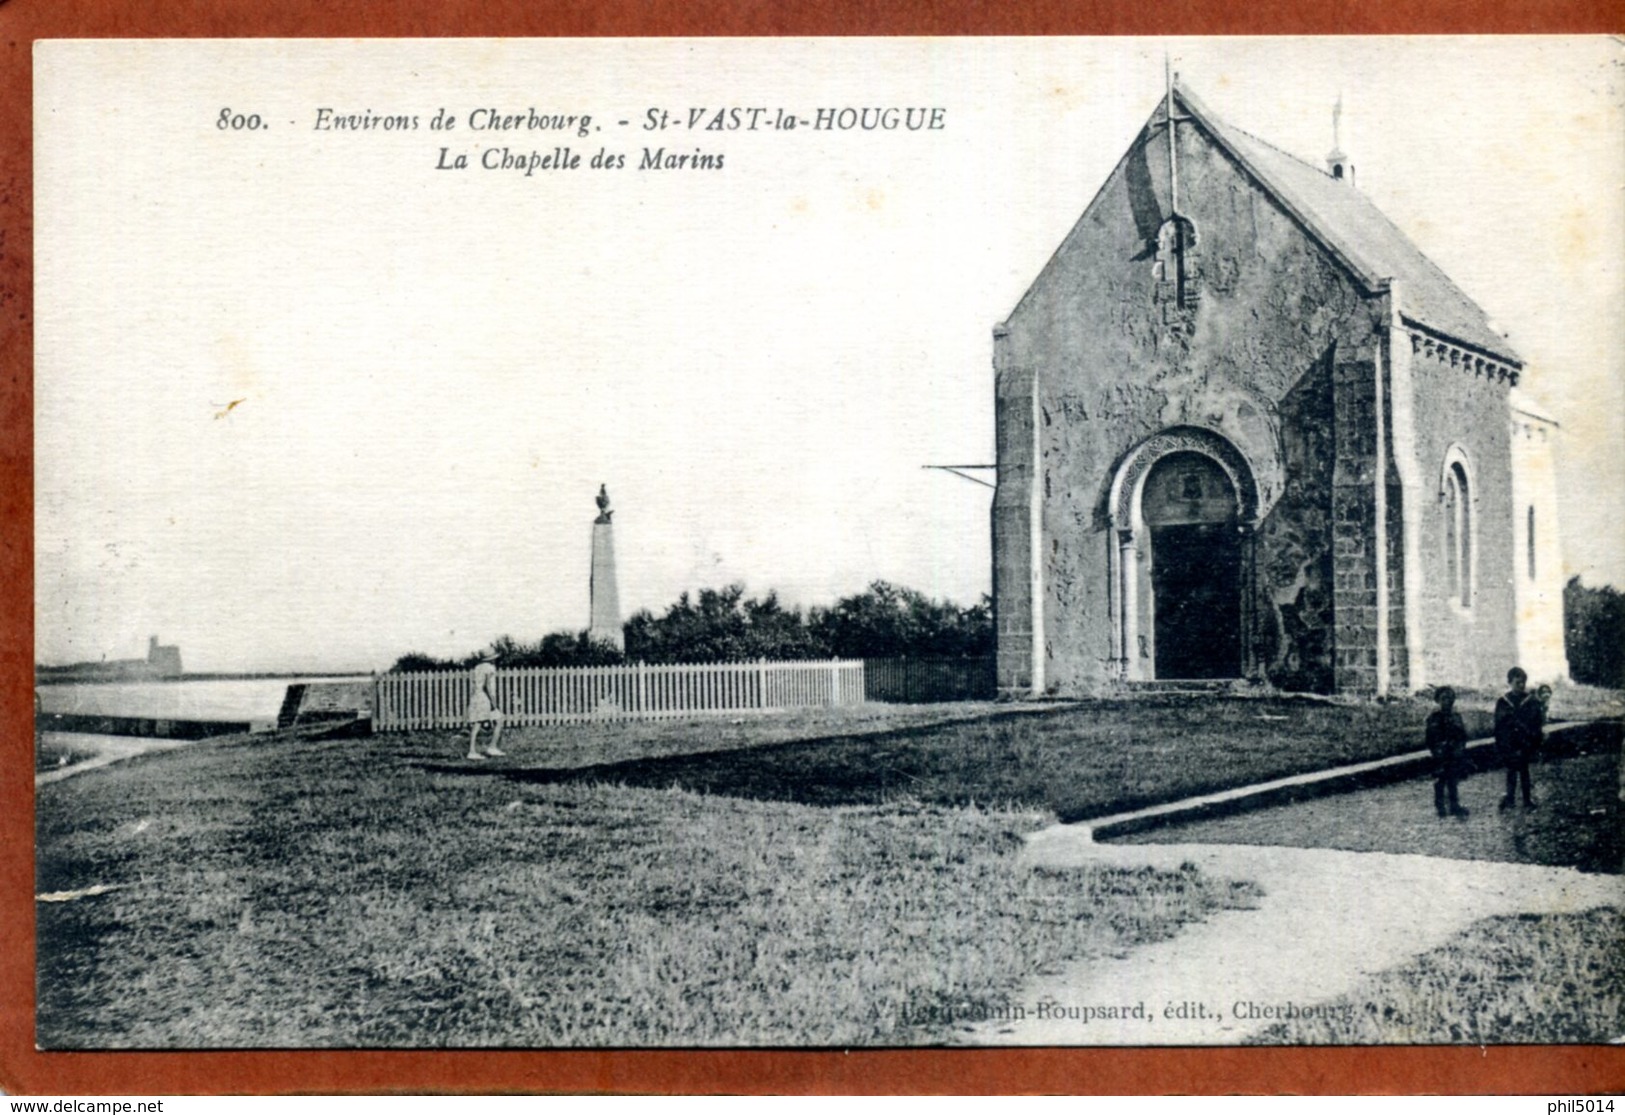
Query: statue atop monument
604,513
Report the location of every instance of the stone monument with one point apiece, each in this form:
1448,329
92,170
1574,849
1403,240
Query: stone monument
605,625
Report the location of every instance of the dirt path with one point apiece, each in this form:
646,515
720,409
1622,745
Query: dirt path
1327,919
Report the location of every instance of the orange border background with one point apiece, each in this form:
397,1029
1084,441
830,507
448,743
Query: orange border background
1447,1070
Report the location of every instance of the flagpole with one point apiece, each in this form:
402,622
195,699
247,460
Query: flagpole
1173,156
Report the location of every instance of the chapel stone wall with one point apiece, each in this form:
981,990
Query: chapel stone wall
1537,548
1461,413
1014,613
1243,336
1354,536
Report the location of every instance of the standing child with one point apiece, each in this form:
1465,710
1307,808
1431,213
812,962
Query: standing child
484,710
1447,740
1519,726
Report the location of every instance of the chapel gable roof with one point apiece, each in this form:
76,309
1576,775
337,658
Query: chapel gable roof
1357,233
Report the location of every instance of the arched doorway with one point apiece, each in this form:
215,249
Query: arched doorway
1184,509
1189,509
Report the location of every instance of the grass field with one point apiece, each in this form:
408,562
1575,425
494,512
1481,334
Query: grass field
1533,978
818,879
1077,761
350,894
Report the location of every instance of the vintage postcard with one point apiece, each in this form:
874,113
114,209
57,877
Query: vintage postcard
828,543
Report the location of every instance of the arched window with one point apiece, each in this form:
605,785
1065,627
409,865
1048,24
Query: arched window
1176,268
1530,538
1458,534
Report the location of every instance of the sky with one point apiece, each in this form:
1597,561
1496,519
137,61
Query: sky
306,401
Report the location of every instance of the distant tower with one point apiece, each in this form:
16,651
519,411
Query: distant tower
605,626
1337,163
163,661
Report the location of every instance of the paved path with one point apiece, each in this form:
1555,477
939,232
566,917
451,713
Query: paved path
109,750
1327,919
1301,787
115,749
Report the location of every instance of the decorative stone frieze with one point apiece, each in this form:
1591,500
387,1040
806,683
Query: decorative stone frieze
1430,347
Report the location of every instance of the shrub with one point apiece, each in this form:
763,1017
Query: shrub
1594,634
725,625
889,621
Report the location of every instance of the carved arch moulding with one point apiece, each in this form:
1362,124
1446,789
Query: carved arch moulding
1181,439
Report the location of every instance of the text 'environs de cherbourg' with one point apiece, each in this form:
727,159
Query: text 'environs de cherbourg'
497,137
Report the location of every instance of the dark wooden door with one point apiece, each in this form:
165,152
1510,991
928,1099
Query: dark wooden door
1196,579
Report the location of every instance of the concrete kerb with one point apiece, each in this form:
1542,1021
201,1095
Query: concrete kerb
1297,787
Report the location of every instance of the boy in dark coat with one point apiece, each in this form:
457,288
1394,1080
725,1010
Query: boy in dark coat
1519,724
1447,740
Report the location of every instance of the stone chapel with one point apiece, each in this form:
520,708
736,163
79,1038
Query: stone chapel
1246,430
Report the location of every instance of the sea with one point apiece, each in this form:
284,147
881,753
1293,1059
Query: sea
256,700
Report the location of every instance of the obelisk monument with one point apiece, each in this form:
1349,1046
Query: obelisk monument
605,626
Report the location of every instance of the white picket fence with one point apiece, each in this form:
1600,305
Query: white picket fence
539,696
